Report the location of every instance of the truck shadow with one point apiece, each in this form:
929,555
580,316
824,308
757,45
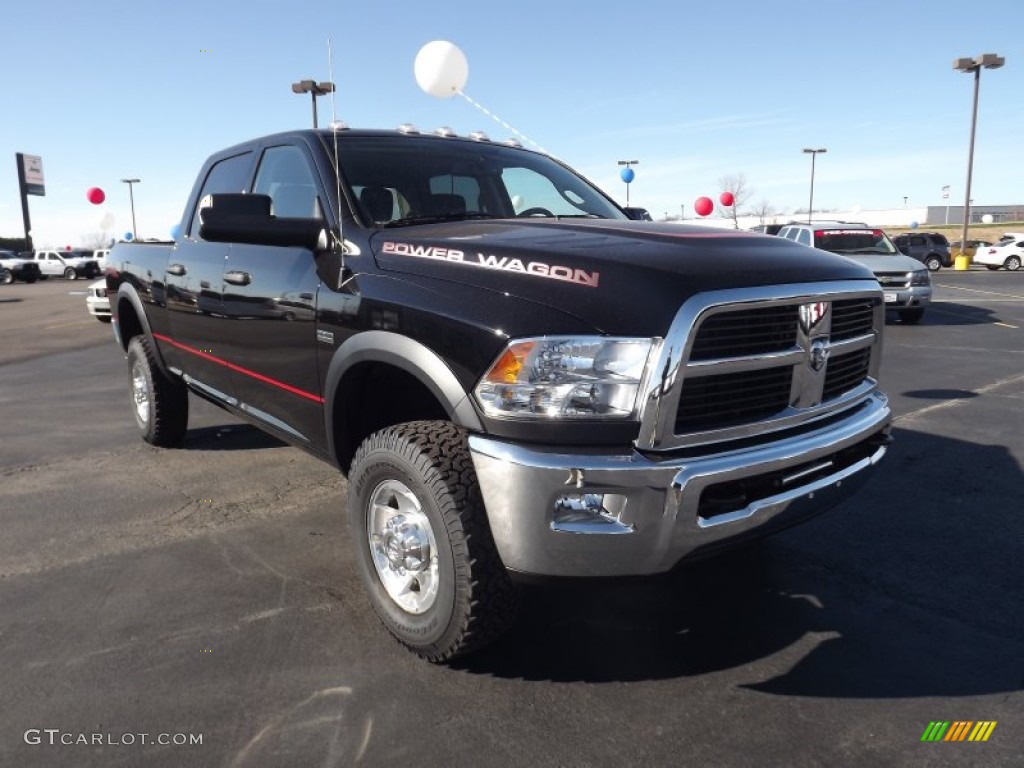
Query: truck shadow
230,437
890,595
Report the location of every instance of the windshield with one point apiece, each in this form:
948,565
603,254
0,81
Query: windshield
405,180
854,241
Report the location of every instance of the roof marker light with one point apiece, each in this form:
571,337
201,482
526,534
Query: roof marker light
408,128
337,125
445,131
479,136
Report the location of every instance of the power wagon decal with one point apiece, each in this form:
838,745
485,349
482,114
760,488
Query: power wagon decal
490,261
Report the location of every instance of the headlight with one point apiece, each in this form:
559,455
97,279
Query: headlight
566,377
920,277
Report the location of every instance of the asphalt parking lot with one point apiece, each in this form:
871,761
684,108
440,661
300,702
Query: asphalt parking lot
209,591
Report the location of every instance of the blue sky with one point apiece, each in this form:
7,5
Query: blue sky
694,91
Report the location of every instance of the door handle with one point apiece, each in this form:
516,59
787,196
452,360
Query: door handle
176,269
237,278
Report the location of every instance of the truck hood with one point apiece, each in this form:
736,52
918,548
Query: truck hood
885,262
622,277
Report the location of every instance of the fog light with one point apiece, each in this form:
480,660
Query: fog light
590,513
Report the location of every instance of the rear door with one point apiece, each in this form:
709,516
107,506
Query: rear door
195,287
270,306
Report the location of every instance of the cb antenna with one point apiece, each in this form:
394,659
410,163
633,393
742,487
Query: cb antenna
336,126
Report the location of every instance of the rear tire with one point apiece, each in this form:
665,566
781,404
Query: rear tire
159,402
1012,263
933,262
423,546
70,273
911,316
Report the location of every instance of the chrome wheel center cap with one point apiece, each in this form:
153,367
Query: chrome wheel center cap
406,545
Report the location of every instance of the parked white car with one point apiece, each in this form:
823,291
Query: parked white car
97,302
1008,255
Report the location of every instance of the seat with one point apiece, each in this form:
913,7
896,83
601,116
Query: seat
444,204
378,203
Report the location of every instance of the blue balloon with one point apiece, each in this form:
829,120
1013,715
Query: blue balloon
175,231
627,174
914,225
128,235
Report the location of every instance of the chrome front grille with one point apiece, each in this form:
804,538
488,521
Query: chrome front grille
709,402
893,279
737,364
746,332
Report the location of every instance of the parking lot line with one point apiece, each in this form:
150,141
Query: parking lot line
978,290
958,402
65,325
933,308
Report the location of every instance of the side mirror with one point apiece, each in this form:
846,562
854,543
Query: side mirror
238,218
638,214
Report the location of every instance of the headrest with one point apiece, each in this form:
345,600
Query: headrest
378,203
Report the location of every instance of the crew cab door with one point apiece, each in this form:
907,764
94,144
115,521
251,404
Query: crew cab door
269,305
194,283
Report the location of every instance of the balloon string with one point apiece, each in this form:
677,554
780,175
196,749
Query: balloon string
497,119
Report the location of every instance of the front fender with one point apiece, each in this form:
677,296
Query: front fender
408,355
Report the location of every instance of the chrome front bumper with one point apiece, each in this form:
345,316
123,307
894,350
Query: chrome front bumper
569,512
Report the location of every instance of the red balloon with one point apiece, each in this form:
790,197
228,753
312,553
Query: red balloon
726,199
67,247
703,206
95,195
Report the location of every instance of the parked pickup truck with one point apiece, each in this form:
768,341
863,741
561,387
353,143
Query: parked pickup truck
69,264
15,267
516,378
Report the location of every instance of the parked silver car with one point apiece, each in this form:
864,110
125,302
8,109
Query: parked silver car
905,281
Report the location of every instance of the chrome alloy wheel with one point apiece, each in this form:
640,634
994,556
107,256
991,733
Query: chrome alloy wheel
402,546
140,393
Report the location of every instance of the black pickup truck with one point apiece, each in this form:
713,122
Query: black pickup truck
517,379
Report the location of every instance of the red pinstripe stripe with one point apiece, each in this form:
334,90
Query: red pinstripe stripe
240,369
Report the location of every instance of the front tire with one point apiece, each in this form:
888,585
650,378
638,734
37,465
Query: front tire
70,273
423,545
159,403
933,262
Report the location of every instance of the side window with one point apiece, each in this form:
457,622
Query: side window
803,236
918,240
227,175
284,174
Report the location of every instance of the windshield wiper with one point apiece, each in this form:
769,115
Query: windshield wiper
439,217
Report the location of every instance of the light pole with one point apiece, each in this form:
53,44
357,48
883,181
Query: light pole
987,61
813,153
627,175
131,197
315,89
945,196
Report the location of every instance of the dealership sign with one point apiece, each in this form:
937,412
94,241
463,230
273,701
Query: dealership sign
31,167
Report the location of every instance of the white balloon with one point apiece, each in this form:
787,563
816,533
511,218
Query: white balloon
441,69
987,219
108,220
